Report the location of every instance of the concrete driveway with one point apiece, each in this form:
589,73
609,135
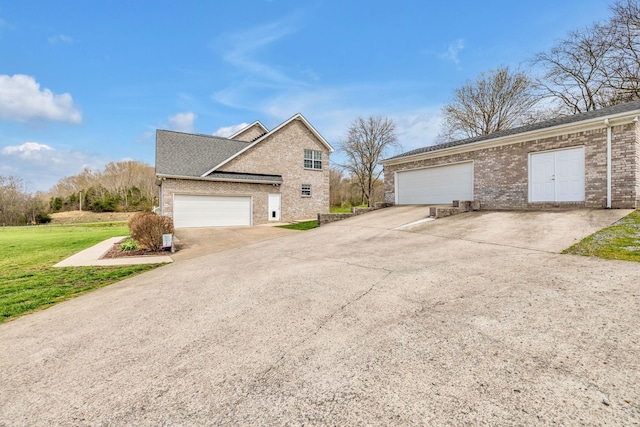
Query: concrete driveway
350,324
195,242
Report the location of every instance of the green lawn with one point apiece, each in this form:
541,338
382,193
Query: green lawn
620,241
338,209
305,225
28,281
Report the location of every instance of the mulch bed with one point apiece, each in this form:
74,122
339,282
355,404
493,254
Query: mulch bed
115,252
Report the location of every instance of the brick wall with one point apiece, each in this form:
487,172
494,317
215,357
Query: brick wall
250,133
259,194
283,154
501,173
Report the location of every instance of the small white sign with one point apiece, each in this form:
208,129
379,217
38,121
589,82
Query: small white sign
166,241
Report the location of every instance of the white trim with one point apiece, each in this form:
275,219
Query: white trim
257,122
263,137
574,127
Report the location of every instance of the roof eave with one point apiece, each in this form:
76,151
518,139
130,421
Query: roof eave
594,123
199,178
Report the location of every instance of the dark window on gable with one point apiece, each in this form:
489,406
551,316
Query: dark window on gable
312,159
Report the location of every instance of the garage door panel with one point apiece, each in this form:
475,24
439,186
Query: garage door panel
436,185
211,211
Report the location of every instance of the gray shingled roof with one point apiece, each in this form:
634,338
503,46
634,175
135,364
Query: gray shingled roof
185,154
603,112
240,177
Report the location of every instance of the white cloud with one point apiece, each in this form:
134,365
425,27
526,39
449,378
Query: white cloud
42,166
28,150
418,128
182,122
60,38
226,131
240,48
21,100
453,51
144,137
244,50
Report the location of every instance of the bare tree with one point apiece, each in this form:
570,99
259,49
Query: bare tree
336,196
499,100
596,66
622,67
367,142
573,70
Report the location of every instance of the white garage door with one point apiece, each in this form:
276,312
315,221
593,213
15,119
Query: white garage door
557,176
210,211
435,185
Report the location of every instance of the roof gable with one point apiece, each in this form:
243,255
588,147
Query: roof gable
255,127
265,136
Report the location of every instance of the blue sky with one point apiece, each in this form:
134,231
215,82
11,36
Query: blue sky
83,83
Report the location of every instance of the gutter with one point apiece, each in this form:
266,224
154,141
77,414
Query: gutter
562,129
197,178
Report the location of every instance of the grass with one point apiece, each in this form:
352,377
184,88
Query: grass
338,209
305,225
619,241
28,280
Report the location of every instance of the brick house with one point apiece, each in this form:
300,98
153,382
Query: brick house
589,160
252,177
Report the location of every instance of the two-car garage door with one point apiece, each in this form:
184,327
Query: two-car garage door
435,185
211,211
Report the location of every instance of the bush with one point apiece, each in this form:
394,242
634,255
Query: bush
147,229
128,245
43,218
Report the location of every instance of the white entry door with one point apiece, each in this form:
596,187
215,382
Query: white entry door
557,176
274,207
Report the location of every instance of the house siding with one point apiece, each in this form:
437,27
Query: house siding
282,153
259,194
501,173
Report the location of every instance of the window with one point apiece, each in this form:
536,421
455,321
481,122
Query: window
306,190
312,159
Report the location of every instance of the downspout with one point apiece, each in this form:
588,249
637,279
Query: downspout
606,122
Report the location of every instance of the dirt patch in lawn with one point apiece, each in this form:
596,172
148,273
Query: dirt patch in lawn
83,217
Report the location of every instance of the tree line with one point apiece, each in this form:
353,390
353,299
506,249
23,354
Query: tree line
17,205
120,187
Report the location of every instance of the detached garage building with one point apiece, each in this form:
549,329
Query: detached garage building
587,160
